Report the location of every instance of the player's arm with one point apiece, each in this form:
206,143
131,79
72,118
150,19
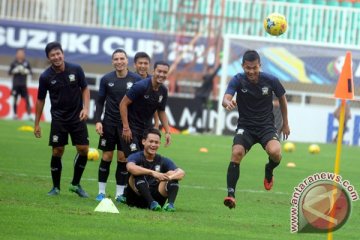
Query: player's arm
136,170
176,174
123,106
284,112
84,114
38,111
164,121
228,102
156,120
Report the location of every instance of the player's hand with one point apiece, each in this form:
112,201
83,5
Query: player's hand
160,176
230,105
37,131
286,131
99,128
84,114
127,135
167,139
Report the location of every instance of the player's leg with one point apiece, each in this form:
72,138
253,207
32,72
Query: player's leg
121,176
57,139
107,143
241,145
133,197
140,185
271,143
15,97
25,95
80,138
168,190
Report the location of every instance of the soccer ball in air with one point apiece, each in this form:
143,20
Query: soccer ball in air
314,149
93,154
289,147
275,24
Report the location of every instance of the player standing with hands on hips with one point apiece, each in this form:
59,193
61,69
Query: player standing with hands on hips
69,97
256,124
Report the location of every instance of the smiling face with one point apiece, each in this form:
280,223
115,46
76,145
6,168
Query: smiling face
160,73
151,144
252,70
56,58
142,66
120,61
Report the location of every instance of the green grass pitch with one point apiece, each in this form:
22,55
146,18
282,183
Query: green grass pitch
26,212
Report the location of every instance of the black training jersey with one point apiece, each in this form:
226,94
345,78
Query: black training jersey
159,164
65,90
20,70
112,90
145,101
255,101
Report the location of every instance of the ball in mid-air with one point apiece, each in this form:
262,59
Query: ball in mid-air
314,149
93,154
289,147
275,24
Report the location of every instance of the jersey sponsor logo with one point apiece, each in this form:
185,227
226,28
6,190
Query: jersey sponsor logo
160,98
111,84
55,138
157,168
244,90
265,91
103,142
240,131
146,96
53,82
72,77
129,85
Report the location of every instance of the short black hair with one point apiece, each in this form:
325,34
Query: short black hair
250,56
161,63
119,50
52,45
151,130
141,55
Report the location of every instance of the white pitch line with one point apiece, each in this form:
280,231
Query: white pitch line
182,185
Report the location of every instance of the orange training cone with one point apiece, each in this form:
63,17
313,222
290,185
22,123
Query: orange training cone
345,86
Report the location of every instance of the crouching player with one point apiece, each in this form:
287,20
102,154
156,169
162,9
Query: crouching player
153,178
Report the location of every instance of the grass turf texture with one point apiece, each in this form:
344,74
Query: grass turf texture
28,213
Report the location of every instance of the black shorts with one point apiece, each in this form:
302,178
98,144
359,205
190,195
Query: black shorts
60,131
112,138
20,90
247,137
134,200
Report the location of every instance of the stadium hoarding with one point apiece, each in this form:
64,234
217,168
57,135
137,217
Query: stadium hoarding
96,45
311,123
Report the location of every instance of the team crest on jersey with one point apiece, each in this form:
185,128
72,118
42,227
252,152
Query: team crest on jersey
103,142
160,98
53,82
265,91
240,131
157,168
133,147
146,96
111,84
55,138
244,90
129,85
72,77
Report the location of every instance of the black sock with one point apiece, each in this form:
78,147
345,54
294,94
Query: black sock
104,170
143,188
269,167
233,175
56,166
79,167
121,174
172,188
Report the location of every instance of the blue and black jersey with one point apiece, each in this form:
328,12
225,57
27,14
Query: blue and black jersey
65,90
17,70
255,101
145,102
112,90
159,164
